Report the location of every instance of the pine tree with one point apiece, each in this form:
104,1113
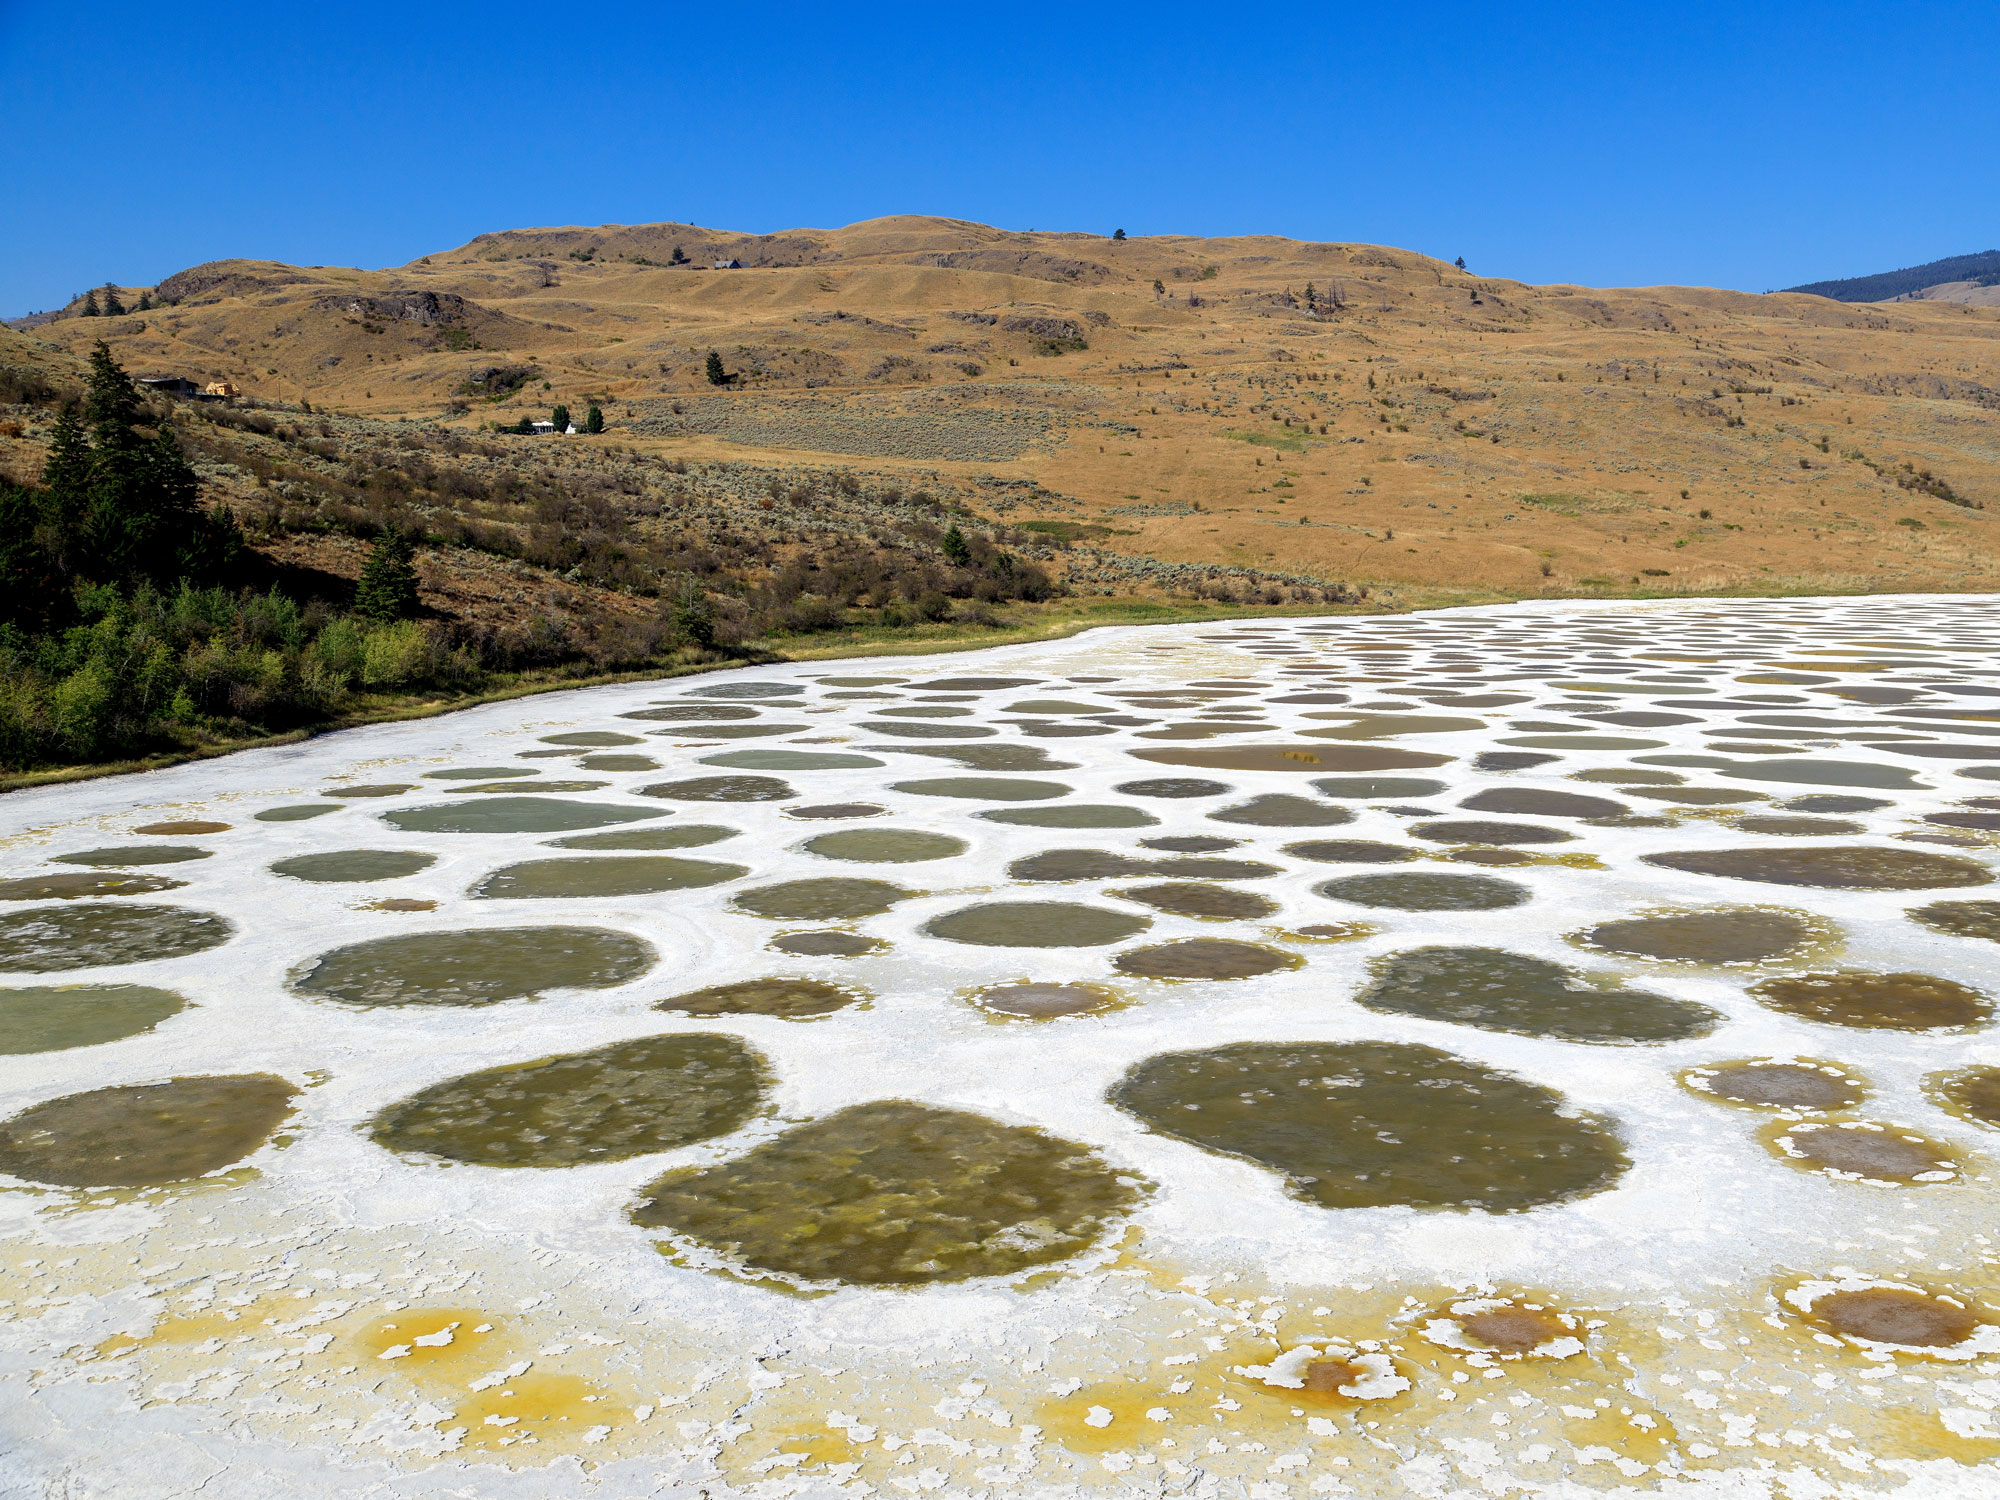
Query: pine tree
679,257
955,549
113,308
716,374
388,587
145,301
1460,263
690,615
560,417
1118,234
593,420
89,304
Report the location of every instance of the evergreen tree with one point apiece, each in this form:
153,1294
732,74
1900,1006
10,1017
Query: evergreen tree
1460,263
145,301
388,587
113,308
560,416
716,374
593,420
1118,234
955,549
690,615
679,257
89,304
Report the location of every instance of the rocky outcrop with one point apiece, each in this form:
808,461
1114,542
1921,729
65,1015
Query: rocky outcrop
427,309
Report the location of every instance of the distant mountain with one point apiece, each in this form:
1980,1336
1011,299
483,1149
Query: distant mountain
1970,272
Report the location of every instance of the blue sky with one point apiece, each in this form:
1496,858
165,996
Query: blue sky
1750,145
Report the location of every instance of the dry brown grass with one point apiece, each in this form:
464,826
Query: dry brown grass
1606,405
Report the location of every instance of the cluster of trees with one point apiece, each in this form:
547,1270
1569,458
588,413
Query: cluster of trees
128,616
111,305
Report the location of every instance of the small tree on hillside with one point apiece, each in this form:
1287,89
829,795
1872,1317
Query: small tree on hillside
560,417
955,549
145,301
593,420
678,258
1118,234
113,308
690,615
716,374
388,587
1460,263
90,309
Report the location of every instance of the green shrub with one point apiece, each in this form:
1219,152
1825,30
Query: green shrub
395,655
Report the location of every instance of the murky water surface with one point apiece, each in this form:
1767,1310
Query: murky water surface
513,815
54,1018
1036,924
895,1194
885,846
346,865
1876,1002
1742,936
584,876
72,885
1376,1124
52,939
144,1135
628,1099
764,997
1425,892
1499,991
482,967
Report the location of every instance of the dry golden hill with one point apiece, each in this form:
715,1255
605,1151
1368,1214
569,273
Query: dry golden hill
1338,412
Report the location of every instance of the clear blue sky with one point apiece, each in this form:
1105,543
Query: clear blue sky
1749,145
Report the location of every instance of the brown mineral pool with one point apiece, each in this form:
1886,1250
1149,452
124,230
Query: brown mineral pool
1835,803
693,713
790,998
790,760
1198,899
509,788
984,788
680,836
1044,1001
1798,1084
1351,852
54,1018
1853,868
1078,864
1333,932
619,763
1204,958
985,757
182,828
481,967
1377,1124
1499,991
480,773
1425,892
1863,1149
1482,856
1487,831
603,876
399,903
1698,796
144,1135
1378,788
1072,815
1277,810
513,815
135,854
383,789
347,865
920,730
1876,1002
591,738
1780,826
1173,787
1973,919
832,943
628,1099
885,846
71,885
828,811
1627,776
896,1194
747,690
1036,924
1190,843
1737,935
1970,1093
297,814
50,939
1534,802
1512,1329
732,731
1893,1315
829,898
1364,726
721,789
1320,758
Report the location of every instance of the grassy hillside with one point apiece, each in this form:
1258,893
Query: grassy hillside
1982,269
